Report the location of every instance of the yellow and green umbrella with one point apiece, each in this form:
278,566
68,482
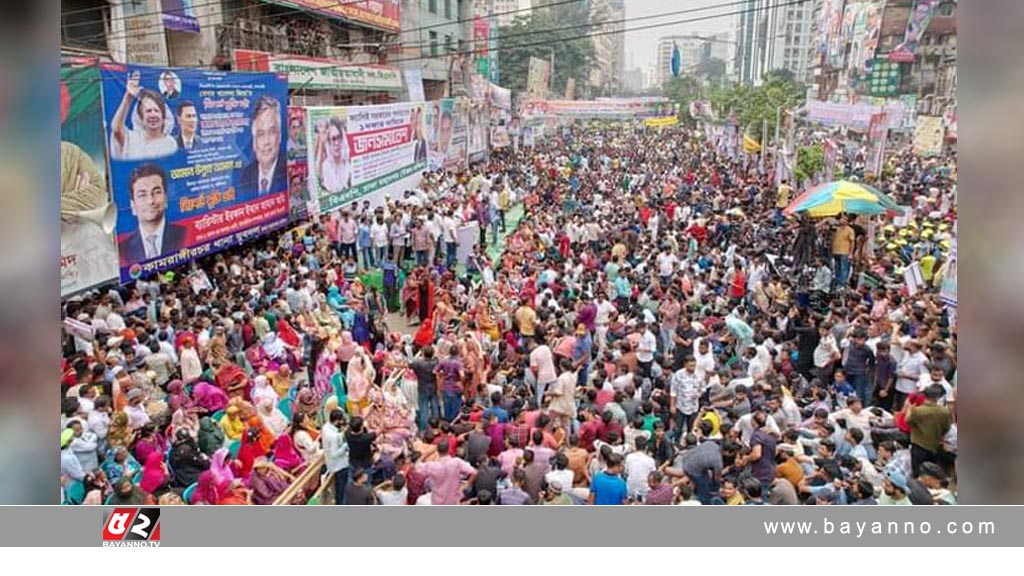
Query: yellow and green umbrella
843,196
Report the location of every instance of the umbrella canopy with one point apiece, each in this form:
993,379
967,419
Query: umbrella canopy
843,196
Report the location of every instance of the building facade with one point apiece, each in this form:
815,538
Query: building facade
436,40
773,35
692,51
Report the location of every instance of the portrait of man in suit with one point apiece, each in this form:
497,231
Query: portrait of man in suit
188,127
419,136
154,237
268,173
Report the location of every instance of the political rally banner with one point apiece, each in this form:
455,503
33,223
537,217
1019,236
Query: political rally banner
447,135
947,289
321,73
537,78
928,136
300,204
359,151
500,137
917,23
197,161
88,252
878,135
180,15
608,109
850,115
498,97
661,122
384,14
477,128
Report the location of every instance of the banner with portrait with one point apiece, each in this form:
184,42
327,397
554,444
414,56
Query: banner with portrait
477,130
359,151
300,202
929,135
197,161
88,253
448,137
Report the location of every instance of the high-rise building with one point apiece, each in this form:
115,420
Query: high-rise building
773,35
606,49
509,10
691,52
618,15
633,81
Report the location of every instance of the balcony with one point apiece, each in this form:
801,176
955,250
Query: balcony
299,37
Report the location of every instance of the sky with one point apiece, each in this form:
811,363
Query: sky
641,45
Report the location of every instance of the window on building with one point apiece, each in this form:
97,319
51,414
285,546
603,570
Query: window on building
448,44
432,6
433,43
448,9
84,24
946,10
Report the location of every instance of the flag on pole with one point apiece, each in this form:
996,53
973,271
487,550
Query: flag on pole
676,60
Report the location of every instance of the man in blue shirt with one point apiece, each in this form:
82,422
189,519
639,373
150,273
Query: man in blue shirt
608,488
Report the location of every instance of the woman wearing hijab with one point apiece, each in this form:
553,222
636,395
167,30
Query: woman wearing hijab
286,456
281,381
272,418
119,463
191,366
209,397
155,478
206,491
150,441
358,381
304,437
266,439
266,483
326,366
186,460
97,488
345,350
306,403
231,424
120,434
261,390
287,334
128,494
176,396
210,437
185,419
250,451
220,467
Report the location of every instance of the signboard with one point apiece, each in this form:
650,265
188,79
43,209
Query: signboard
300,203
88,253
384,14
145,41
357,151
197,161
928,136
499,97
913,278
500,137
609,109
414,84
947,291
447,135
850,115
320,73
180,15
661,122
538,76
917,23
883,79
878,133
478,124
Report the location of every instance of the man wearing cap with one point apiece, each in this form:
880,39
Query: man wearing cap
70,466
136,411
895,490
934,481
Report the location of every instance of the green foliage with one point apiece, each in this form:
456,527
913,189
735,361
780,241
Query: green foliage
573,56
752,105
809,161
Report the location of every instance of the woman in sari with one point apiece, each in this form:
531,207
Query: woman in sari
261,390
210,437
286,456
119,463
231,424
361,328
288,335
128,494
251,450
155,477
97,488
150,441
390,417
266,482
207,491
344,349
444,312
304,438
120,434
306,403
324,316
359,379
220,466
209,397
473,356
176,396
281,380
272,417
186,460
184,419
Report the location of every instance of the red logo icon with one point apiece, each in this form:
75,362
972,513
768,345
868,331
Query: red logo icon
132,527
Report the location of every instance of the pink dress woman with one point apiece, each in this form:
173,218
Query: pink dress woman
326,368
358,382
154,473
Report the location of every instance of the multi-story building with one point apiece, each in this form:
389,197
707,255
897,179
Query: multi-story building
692,50
618,15
773,35
436,40
509,10
838,61
633,81
248,35
603,76
722,46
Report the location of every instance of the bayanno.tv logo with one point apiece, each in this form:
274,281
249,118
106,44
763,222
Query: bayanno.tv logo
132,528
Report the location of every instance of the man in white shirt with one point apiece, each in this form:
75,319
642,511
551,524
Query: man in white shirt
909,371
379,239
336,453
449,231
935,375
746,426
605,308
705,358
645,350
667,262
148,138
638,466
684,396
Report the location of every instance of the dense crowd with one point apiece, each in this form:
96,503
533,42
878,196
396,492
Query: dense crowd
638,322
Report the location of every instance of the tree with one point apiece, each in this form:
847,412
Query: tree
809,161
712,70
753,105
573,52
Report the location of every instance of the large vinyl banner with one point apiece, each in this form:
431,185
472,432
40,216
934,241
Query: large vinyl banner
197,161
478,122
357,151
88,254
299,204
449,145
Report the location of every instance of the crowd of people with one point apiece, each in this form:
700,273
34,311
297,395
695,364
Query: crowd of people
652,330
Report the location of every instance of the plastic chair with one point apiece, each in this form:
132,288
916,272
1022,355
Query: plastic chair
218,415
187,494
74,493
137,479
234,447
